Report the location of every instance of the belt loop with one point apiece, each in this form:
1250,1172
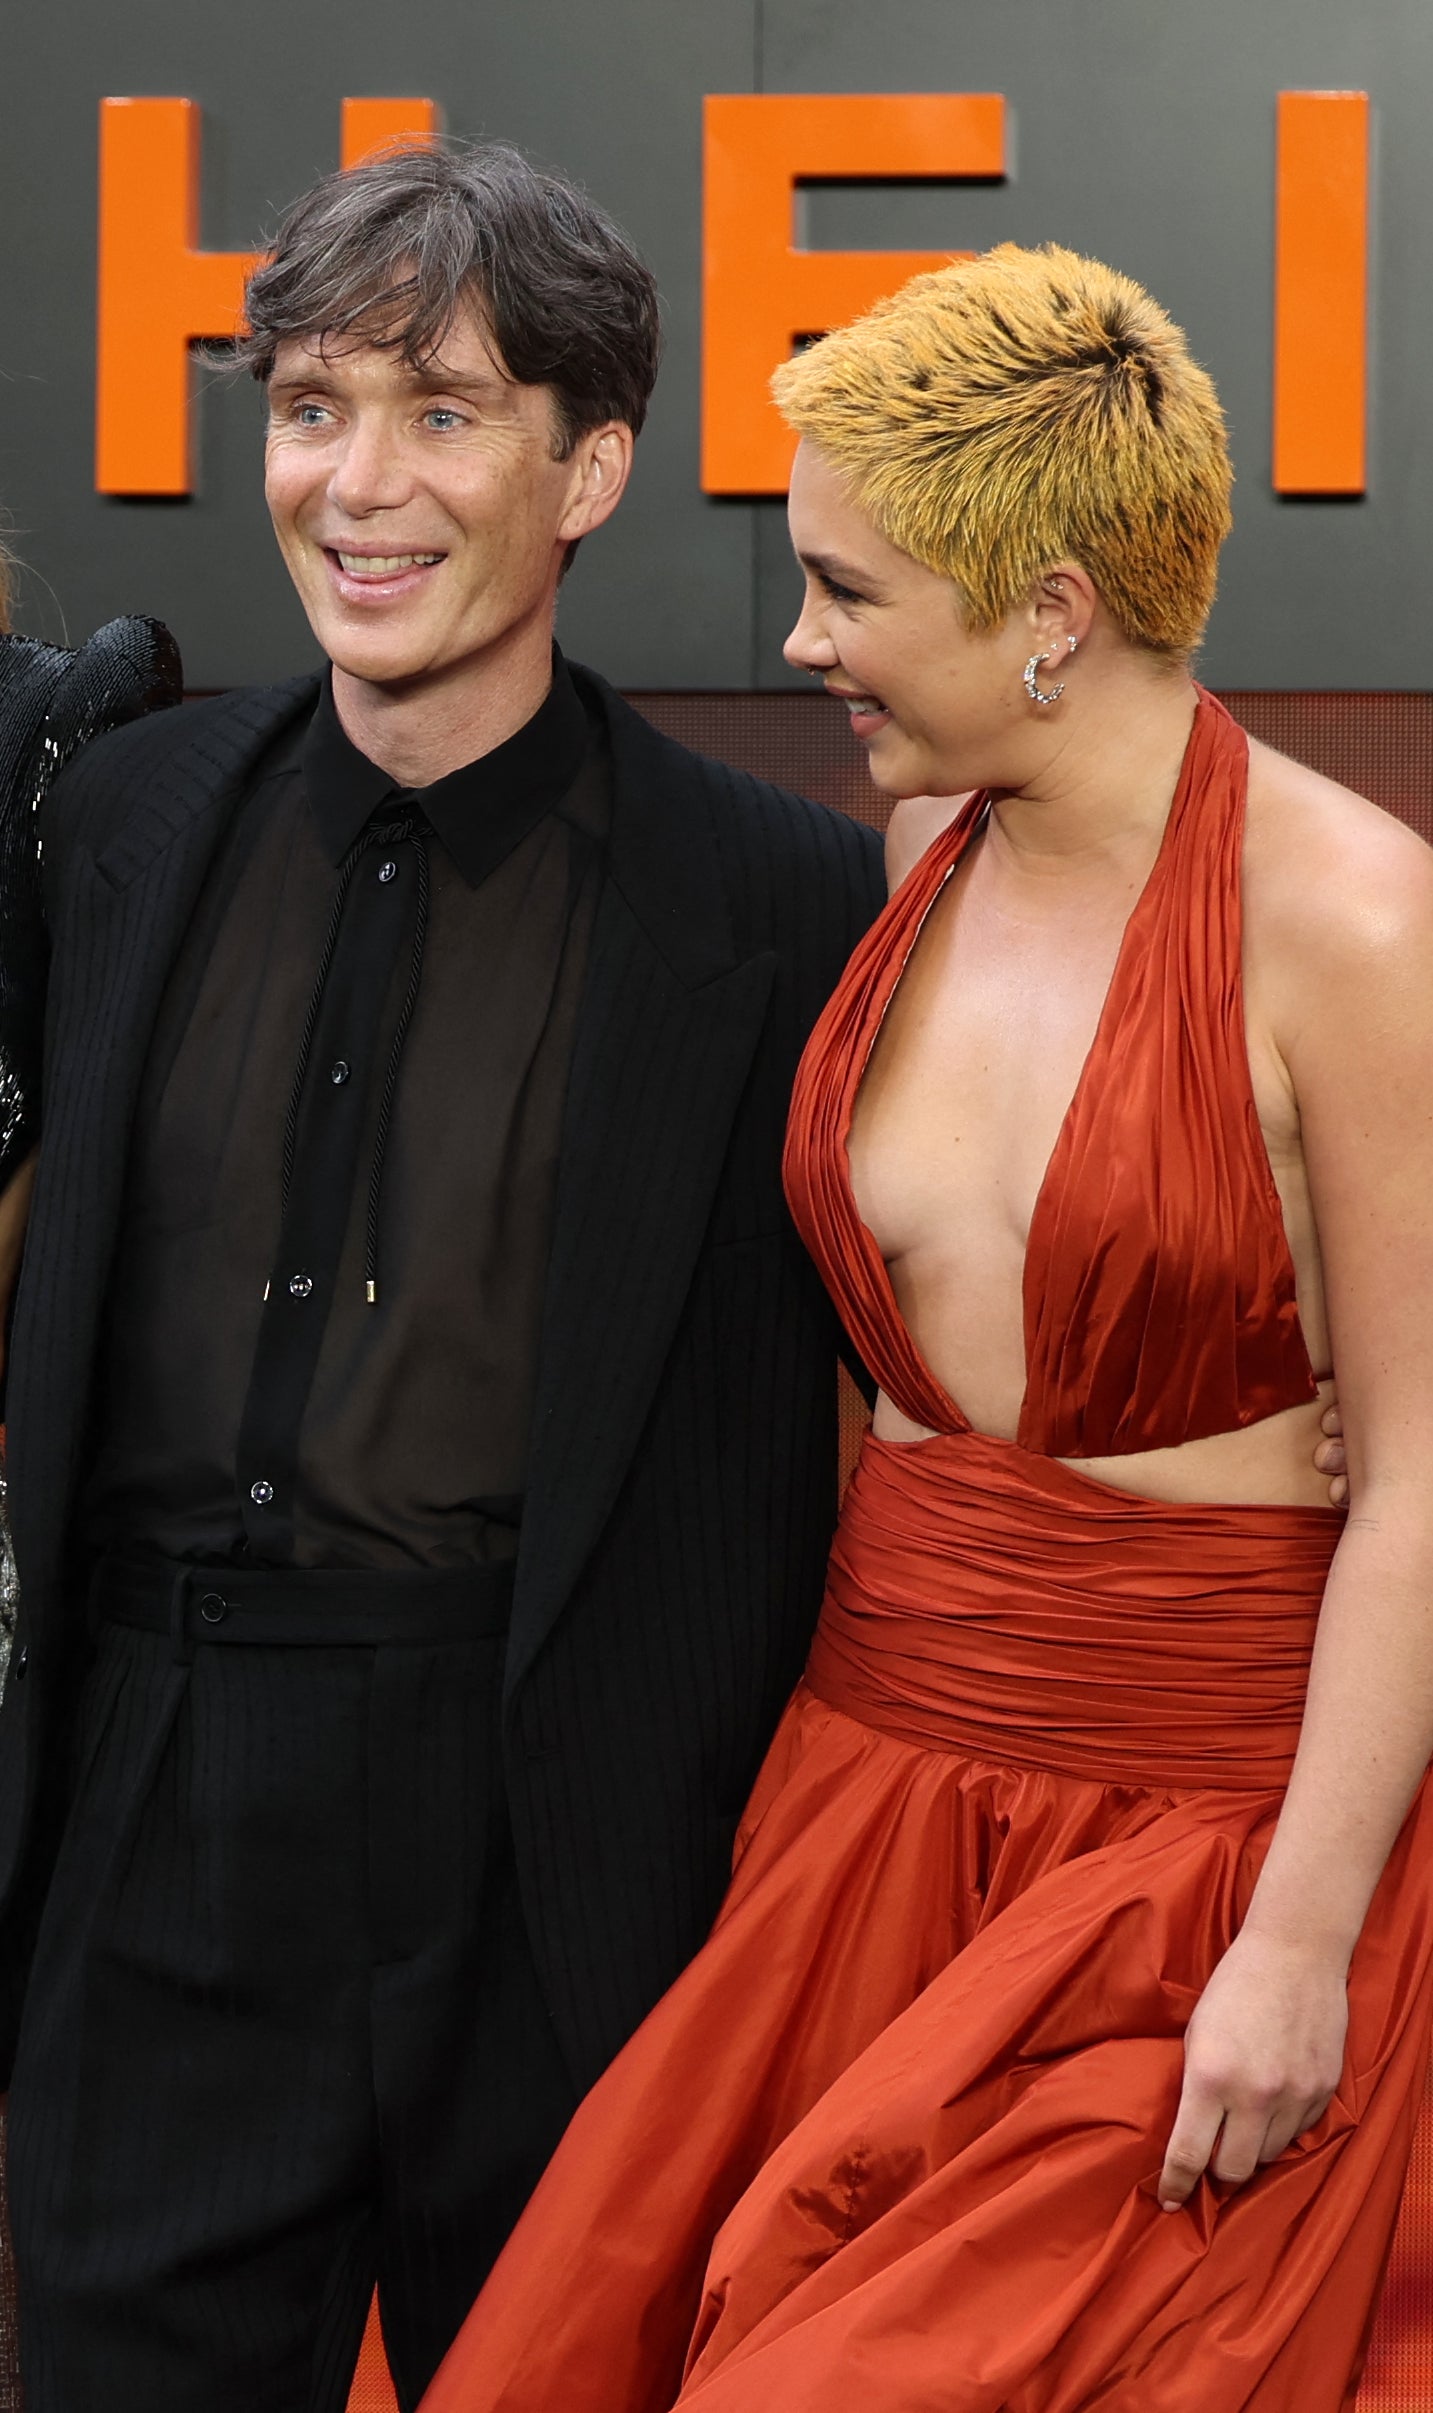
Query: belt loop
181,1642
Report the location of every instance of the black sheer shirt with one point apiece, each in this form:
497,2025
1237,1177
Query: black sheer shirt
323,1329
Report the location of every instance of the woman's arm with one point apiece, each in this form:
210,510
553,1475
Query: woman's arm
14,1214
1352,979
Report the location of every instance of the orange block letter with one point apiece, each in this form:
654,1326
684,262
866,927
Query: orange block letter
759,293
1321,293
370,126
159,293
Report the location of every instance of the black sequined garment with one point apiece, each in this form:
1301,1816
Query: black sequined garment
52,702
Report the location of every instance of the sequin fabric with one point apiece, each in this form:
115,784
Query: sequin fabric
52,702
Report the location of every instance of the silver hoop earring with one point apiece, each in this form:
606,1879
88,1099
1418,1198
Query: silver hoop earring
1044,695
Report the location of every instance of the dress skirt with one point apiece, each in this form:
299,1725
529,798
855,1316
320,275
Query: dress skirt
891,2141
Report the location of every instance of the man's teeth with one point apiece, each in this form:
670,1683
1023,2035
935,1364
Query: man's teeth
384,565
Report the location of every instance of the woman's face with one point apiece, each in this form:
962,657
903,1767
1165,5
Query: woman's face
939,707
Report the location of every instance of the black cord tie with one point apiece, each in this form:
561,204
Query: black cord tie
346,871
395,1057
389,833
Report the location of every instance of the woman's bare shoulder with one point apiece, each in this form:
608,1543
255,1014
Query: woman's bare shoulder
1325,866
915,824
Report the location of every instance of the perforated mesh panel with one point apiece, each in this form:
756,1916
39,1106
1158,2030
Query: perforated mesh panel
1381,745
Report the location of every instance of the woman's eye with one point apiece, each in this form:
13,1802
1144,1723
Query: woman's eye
840,594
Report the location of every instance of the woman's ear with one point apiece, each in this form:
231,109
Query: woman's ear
1063,605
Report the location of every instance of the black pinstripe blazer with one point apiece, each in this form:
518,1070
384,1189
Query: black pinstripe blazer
681,1491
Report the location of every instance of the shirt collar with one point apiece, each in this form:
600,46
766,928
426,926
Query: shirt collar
480,812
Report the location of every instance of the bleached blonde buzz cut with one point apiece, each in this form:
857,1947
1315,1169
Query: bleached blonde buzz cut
1021,409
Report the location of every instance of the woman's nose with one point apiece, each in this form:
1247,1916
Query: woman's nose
808,647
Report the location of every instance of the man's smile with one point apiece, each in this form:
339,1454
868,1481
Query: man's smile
381,565
360,577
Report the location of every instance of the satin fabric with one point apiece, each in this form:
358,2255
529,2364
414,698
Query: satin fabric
892,2140
1159,1289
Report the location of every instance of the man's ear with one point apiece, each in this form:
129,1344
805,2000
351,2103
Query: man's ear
601,465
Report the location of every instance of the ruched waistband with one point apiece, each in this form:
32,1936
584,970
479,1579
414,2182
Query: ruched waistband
984,1599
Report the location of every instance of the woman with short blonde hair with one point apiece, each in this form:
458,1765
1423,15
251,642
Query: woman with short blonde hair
1060,2042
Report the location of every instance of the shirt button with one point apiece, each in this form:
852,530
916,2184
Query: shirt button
261,1492
338,1073
387,871
300,1285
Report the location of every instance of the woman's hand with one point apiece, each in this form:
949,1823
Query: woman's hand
1262,2057
1331,1458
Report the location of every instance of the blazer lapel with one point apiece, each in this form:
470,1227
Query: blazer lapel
671,1014
123,912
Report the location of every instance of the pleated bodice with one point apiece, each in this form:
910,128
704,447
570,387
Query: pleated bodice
1159,1298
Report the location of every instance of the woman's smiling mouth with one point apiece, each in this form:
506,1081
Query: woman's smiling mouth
868,713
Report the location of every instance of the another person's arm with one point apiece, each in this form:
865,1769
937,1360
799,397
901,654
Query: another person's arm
1331,1457
14,1214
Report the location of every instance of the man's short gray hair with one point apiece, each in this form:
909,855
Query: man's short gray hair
391,252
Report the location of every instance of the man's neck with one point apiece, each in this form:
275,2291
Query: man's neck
420,730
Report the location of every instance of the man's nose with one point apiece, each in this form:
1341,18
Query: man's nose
369,473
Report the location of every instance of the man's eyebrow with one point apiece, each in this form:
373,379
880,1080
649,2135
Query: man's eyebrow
289,381
433,378
429,377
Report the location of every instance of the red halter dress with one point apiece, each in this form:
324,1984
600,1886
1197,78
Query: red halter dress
891,2141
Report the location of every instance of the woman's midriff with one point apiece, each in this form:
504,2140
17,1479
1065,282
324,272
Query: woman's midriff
986,1600
1265,1465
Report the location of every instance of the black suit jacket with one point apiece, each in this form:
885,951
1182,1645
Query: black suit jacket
681,1492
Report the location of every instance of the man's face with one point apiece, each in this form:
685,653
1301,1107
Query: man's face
422,514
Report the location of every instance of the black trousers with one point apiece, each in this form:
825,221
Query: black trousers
284,2038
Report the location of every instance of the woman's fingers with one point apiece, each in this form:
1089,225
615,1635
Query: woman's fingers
1242,2144
1191,2142
1290,2122
1331,1457
1230,2141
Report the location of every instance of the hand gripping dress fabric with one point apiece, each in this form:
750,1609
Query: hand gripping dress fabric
892,2139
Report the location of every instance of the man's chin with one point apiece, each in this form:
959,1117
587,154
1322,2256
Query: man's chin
382,659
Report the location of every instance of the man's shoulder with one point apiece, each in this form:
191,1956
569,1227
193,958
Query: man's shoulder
755,820
181,755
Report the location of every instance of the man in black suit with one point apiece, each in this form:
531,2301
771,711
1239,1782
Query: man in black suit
421,1414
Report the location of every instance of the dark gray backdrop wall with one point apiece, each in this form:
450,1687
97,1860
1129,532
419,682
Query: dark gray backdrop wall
1143,131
